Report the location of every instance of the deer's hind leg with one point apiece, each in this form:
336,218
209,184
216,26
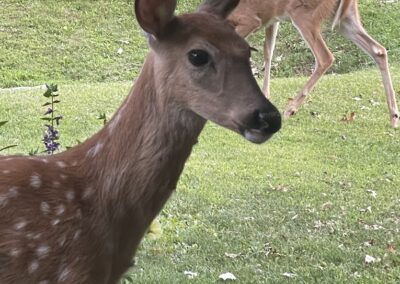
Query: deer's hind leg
351,28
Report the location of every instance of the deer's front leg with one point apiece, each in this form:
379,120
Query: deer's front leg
269,46
323,60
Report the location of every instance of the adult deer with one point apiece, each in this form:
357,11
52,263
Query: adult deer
78,216
307,16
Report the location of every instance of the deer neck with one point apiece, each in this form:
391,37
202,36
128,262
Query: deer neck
134,162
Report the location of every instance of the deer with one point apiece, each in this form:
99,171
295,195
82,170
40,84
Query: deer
78,216
308,16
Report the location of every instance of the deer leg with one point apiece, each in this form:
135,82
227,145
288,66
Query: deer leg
351,28
269,46
323,60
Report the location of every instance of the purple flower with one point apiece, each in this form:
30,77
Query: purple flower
49,139
49,111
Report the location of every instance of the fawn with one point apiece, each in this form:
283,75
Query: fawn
78,216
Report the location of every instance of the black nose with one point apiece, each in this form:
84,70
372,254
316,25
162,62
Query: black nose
270,121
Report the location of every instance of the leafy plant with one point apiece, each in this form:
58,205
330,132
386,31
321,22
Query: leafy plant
102,116
51,134
7,147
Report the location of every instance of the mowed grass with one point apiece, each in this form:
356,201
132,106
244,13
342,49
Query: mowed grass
313,202
100,41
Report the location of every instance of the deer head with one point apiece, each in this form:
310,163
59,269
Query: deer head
203,65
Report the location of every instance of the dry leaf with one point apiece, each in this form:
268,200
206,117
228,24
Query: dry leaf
227,276
349,117
289,275
372,192
369,259
190,274
232,255
391,248
365,210
326,206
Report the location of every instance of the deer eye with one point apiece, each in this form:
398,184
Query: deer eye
198,57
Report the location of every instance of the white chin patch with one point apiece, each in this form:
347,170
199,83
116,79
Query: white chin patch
256,136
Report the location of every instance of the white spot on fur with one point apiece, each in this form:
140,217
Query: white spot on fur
43,251
14,252
6,172
63,177
95,150
44,161
87,192
20,225
60,209
70,195
3,201
45,207
37,236
74,163
76,235
36,181
56,184
114,122
13,192
64,274
62,241
61,164
55,222
33,266
79,214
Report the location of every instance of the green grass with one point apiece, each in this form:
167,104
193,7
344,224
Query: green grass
291,205
68,41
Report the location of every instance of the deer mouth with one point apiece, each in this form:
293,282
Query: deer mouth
257,136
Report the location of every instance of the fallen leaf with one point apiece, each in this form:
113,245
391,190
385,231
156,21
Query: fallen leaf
391,248
315,114
227,276
232,255
289,275
372,192
369,259
369,243
365,210
349,117
374,103
326,206
318,224
190,274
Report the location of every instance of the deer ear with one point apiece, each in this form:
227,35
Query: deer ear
154,15
221,8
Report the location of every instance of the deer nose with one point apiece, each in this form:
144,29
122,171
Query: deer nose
270,121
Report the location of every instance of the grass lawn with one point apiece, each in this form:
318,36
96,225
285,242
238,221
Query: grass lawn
100,41
313,202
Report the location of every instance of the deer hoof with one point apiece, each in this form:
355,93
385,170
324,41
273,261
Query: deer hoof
289,112
395,120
